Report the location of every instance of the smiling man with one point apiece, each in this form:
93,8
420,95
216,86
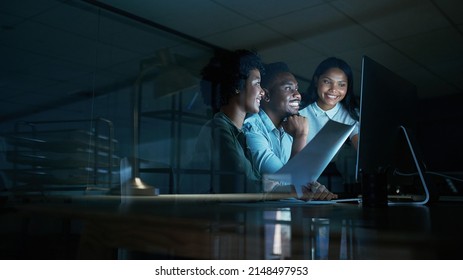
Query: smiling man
278,132
278,124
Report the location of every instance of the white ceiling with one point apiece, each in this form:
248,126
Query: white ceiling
52,50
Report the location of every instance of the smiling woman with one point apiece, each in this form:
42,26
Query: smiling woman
331,96
231,85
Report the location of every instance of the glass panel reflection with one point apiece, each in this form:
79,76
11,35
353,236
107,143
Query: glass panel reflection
277,234
319,238
314,238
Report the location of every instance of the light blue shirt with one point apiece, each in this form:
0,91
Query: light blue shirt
270,147
317,118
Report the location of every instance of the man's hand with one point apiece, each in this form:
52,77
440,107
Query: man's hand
296,126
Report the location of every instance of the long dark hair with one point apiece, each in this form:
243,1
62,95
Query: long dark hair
225,73
349,102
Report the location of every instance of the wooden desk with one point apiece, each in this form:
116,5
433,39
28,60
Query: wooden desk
176,227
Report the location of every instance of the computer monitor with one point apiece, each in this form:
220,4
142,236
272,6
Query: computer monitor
388,107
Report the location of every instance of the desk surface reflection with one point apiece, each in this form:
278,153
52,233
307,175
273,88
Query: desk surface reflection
152,228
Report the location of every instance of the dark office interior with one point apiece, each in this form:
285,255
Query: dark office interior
89,87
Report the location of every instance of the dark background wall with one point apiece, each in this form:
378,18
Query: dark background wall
440,132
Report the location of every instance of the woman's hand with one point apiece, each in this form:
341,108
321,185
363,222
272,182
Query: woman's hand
317,191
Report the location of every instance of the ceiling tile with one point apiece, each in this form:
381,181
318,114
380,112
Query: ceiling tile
308,22
394,19
25,82
453,9
347,37
70,19
204,17
429,48
105,28
15,60
257,10
288,51
53,48
246,37
27,8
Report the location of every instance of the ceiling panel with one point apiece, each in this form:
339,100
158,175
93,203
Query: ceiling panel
308,22
27,82
27,8
432,47
196,18
391,20
15,60
51,48
257,10
288,51
345,38
78,23
406,22
453,9
252,36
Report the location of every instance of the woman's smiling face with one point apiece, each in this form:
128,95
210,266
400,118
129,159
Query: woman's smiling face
331,88
253,92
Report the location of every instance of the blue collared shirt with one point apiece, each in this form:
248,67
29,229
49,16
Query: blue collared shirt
269,146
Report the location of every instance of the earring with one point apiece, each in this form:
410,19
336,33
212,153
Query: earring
237,92
266,95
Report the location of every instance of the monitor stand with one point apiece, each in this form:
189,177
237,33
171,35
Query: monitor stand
406,165
416,161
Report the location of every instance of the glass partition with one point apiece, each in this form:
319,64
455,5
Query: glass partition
75,62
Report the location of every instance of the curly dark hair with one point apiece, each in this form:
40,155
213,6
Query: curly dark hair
225,73
349,102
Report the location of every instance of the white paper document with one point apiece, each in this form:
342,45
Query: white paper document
308,164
